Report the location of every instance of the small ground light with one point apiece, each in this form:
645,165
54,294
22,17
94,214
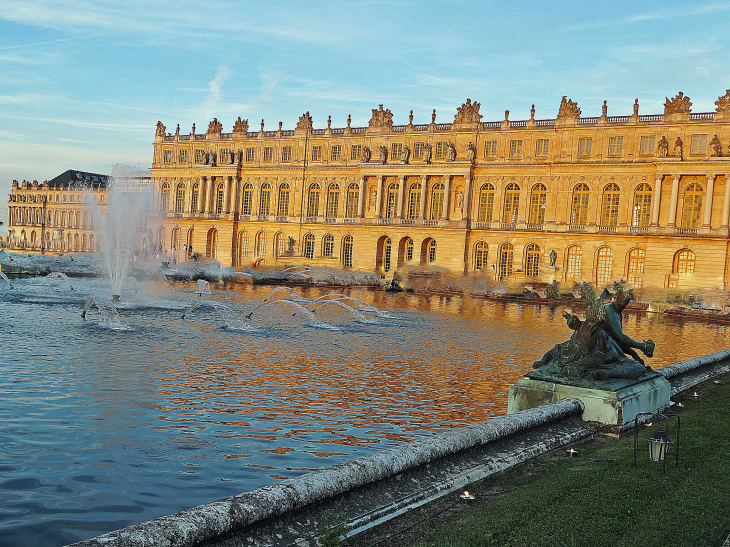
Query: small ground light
696,395
466,496
716,381
572,453
680,405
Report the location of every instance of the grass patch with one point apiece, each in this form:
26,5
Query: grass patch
598,497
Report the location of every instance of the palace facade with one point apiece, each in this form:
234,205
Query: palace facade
640,197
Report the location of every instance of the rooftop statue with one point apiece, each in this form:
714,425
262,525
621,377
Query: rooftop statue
568,109
723,102
381,117
240,126
160,132
215,127
305,122
598,350
468,112
677,105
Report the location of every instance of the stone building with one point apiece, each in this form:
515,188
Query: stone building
56,215
639,197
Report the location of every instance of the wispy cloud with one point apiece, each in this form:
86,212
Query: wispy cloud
656,15
212,100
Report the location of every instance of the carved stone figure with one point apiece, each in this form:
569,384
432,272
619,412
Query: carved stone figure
371,200
329,122
604,109
240,126
459,205
406,155
305,122
349,120
410,118
427,153
532,112
715,147
723,102
678,105
177,129
553,258
663,147
568,109
636,107
262,125
239,156
678,148
468,112
231,158
215,127
450,151
383,151
212,159
366,154
193,130
471,152
381,117
205,159
290,244
160,132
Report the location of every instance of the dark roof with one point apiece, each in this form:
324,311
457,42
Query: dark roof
79,177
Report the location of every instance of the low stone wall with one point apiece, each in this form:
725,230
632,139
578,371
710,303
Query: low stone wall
205,523
688,374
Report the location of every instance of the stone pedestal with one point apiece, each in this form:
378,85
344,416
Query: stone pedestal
611,406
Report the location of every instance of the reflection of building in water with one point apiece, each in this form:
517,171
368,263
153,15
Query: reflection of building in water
605,193
57,215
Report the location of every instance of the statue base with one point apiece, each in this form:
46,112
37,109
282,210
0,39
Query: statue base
611,405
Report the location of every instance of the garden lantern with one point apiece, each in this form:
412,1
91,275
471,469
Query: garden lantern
658,445
659,440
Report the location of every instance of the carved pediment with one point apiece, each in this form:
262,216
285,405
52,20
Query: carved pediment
305,122
568,109
160,132
240,126
678,105
381,117
723,102
215,127
468,112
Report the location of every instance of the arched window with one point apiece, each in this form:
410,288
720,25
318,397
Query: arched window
32,238
609,211
175,238
247,203
353,194
211,246
333,201
511,205
188,239
84,243
641,213
92,242
504,260
432,251
579,206
437,201
165,197
481,251
180,199
313,201
635,267
265,200
532,260
194,198
69,242
387,253
683,264
691,214
87,222
261,245
76,242
414,201
283,202
409,250
309,246
328,246
347,251
604,266
219,195
391,205
538,197
63,220
573,264
281,245
486,203
242,246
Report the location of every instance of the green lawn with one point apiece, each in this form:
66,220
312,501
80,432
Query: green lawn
598,498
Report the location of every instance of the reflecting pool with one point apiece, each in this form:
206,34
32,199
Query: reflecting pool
108,423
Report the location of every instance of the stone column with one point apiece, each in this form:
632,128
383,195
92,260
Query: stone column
726,205
447,195
202,194
657,199
379,197
361,198
424,193
672,222
210,193
707,215
235,208
467,197
401,187
227,196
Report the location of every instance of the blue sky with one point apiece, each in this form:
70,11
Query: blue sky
82,84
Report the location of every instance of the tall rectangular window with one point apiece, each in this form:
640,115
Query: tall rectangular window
515,149
542,148
490,149
224,155
418,150
250,154
648,145
199,155
585,146
268,153
286,153
317,153
355,152
167,156
699,144
615,146
183,155
441,149
336,152
396,149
